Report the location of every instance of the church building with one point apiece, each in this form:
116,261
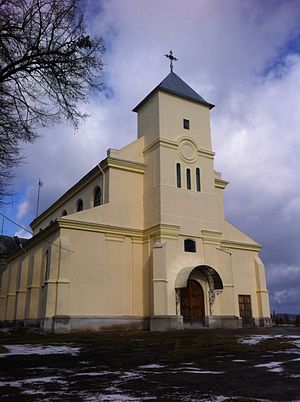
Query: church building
141,240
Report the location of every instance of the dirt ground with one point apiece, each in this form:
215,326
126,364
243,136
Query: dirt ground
199,365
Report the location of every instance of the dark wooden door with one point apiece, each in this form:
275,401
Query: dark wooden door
245,310
192,303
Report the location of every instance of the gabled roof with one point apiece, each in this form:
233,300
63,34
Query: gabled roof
176,86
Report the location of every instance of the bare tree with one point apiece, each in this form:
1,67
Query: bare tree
48,64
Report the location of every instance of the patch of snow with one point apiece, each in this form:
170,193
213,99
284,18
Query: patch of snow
295,376
269,365
34,392
96,374
198,371
55,379
43,380
276,370
108,397
130,375
255,339
274,367
239,361
151,366
5,330
16,384
296,343
39,350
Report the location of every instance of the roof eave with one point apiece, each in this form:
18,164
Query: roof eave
207,104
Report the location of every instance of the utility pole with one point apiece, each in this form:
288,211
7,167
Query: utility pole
38,197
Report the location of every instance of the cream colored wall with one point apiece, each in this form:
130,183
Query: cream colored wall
172,111
106,275
151,196
131,152
4,291
125,206
148,120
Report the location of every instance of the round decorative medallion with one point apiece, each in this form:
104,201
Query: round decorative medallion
187,150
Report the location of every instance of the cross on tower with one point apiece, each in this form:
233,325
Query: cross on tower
171,57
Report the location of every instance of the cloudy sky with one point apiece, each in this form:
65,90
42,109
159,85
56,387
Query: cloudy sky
242,56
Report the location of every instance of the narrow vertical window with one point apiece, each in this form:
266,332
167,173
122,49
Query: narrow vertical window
198,183
178,175
79,205
97,196
188,179
186,124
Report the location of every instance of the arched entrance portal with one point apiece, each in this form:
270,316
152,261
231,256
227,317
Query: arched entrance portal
196,289
192,303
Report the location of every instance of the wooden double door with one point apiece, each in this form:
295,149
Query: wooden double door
245,310
192,303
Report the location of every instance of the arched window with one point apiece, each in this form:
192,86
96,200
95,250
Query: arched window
97,196
188,179
178,175
198,182
79,205
64,212
189,246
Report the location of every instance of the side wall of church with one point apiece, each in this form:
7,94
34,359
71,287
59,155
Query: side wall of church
29,282
86,278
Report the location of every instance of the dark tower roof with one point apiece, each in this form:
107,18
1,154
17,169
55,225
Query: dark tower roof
176,86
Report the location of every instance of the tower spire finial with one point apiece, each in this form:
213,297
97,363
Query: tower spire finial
171,57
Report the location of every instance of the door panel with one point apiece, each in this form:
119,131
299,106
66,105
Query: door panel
192,302
245,310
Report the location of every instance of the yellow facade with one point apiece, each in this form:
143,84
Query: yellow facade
156,253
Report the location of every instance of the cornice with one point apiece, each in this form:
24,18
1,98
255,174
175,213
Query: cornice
162,231
41,236
111,231
240,245
160,142
123,164
175,145
219,183
211,237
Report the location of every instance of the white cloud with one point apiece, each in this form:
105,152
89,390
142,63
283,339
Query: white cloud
22,233
22,210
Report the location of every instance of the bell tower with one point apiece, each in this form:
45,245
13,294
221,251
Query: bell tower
179,184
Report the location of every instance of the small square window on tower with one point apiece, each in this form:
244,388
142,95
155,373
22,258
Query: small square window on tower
186,124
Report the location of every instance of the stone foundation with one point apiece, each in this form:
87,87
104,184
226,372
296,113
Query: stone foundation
166,322
231,322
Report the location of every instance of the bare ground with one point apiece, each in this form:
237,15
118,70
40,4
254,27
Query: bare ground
199,365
